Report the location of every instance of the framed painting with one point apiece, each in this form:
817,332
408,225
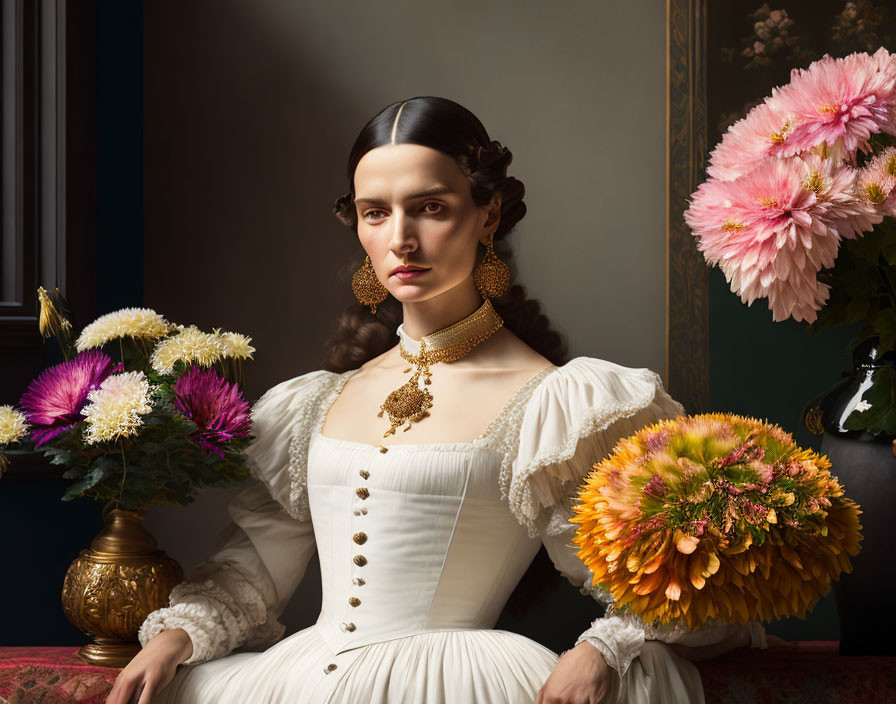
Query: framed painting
723,58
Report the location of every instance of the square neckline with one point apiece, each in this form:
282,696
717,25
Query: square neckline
446,446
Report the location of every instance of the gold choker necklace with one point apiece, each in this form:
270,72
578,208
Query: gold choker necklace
412,400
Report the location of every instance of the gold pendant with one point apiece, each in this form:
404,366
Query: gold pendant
408,403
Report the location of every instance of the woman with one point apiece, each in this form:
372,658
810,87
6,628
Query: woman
422,536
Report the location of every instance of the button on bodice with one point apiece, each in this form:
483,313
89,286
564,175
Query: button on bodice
440,549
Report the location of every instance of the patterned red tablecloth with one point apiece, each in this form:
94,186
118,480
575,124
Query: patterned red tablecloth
811,672
52,675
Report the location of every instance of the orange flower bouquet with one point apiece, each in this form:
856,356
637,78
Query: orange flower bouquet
714,516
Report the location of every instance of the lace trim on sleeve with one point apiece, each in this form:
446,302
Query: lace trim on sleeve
503,435
218,608
196,619
619,636
286,410
618,639
307,422
235,628
244,614
712,631
524,499
254,469
597,592
530,495
595,420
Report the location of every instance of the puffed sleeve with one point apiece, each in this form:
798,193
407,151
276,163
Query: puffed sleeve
235,597
574,419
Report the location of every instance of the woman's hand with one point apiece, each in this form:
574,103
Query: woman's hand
152,668
581,676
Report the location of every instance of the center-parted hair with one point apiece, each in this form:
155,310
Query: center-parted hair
450,128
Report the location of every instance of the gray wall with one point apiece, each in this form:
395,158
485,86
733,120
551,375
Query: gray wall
252,107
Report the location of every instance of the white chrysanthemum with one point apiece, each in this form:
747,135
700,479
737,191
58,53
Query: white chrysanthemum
114,409
190,345
236,345
13,425
127,322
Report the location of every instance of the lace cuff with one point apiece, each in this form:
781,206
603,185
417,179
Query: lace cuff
618,639
709,633
219,609
196,619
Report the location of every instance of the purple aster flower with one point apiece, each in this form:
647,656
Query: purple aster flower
53,401
216,406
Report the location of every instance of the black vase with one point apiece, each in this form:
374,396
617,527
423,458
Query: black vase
866,467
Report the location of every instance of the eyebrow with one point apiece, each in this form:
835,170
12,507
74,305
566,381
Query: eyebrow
420,194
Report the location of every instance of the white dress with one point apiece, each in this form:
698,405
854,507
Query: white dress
420,547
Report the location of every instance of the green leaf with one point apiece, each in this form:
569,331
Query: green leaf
73,473
94,476
57,455
151,448
865,249
885,326
857,309
888,249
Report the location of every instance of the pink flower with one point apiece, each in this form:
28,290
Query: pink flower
848,99
53,401
876,184
834,184
763,132
770,234
657,441
216,406
656,487
764,470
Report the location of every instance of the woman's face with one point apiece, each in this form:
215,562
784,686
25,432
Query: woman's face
417,220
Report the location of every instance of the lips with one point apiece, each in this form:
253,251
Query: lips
408,271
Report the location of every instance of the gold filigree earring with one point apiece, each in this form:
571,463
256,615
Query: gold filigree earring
367,287
492,276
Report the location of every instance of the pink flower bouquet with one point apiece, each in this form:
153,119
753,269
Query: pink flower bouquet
163,420
811,166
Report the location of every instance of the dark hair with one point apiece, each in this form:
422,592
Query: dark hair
450,128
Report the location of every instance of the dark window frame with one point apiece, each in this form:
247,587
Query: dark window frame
48,178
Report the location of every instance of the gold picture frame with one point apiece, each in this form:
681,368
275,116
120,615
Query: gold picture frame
687,276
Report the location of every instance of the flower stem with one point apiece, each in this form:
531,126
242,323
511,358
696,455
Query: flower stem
61,346
124,475
138,349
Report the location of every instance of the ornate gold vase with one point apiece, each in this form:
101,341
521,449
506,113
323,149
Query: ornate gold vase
112,587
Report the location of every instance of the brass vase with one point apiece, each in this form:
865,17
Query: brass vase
113,586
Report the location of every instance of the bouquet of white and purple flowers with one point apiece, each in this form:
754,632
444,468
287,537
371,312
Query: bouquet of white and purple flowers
151,420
